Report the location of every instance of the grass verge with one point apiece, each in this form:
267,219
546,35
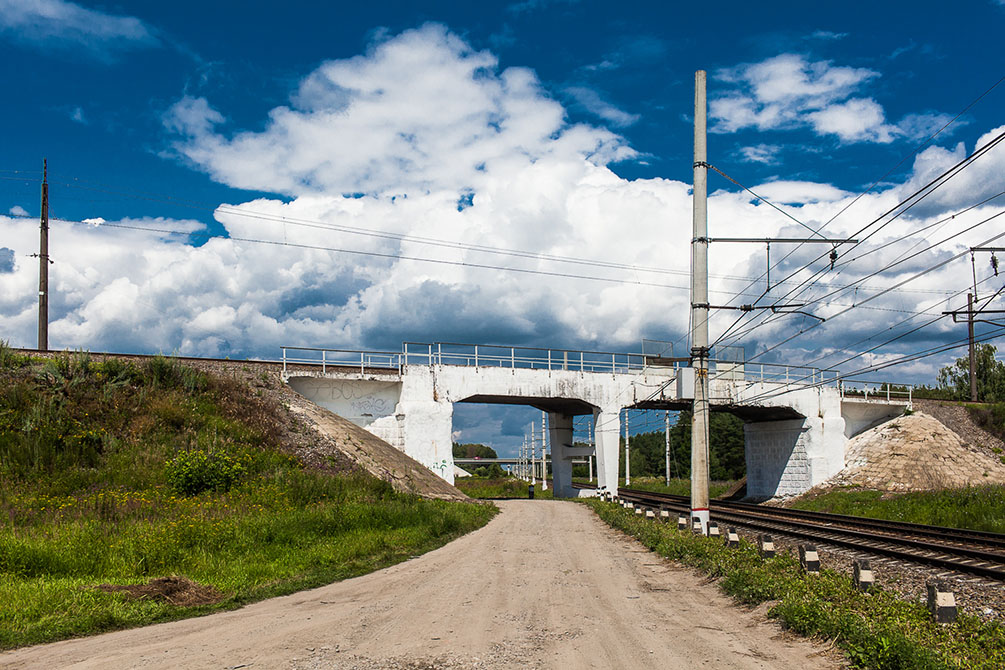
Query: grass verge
678,487
876,630
977,507
114,473
497,488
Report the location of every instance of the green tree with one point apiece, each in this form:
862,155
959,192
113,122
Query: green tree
473,451
727,459
490,471
955,378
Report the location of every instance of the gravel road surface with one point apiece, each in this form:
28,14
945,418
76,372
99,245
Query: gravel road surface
544,585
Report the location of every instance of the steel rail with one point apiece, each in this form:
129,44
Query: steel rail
960,559
990,539
984,538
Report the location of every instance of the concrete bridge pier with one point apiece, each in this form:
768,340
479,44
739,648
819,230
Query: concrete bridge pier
607,432
560,434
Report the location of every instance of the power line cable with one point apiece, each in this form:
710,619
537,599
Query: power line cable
872,186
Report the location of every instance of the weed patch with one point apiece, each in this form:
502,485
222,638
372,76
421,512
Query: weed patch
977,507
876,630
677,487
499,488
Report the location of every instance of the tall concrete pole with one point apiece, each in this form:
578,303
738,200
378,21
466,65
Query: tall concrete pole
699,311
628,464
591,467
544,452
523,455
43,264
973,353
533,455
667,453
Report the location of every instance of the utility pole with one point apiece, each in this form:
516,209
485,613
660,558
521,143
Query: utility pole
973,354
699,311
43,263
544,453
667,454
533,455
628,472
523,451
589,428
971,313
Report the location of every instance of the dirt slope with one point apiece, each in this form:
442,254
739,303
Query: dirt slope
374,454
916,453
544,585
955,416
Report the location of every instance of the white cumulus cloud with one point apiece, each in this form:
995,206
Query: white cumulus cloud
420,111
788,92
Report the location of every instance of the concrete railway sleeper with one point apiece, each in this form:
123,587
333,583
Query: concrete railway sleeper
958,559
897,529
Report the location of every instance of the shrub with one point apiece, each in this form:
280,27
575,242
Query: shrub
10,358
168,373
195,471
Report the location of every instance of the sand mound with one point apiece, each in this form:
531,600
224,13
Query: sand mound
915,453
174,590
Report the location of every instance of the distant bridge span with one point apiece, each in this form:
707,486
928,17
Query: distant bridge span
797,426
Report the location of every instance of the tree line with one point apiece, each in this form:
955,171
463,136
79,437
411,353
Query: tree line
647,450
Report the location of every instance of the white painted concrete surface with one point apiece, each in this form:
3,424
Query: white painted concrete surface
412,409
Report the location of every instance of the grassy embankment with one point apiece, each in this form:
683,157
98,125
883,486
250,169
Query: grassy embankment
499,488
679,487
991,418
876,630
114,473
976,508
511,487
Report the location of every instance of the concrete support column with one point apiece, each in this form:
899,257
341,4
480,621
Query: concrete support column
776,458
560,428
427,427
606,430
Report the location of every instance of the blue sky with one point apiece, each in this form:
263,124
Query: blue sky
557,127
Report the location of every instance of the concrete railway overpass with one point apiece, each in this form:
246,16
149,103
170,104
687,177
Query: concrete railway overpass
797,421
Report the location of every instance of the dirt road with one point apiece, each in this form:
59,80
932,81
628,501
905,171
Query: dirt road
544,585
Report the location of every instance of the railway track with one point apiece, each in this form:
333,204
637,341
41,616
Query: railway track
973,552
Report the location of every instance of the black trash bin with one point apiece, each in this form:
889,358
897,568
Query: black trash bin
530,491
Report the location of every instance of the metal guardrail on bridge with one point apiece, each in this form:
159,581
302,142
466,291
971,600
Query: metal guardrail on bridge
533,358
530,358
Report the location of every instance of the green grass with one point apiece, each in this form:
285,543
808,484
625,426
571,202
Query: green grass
499,487
679,487
977,508
85,499
878,630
